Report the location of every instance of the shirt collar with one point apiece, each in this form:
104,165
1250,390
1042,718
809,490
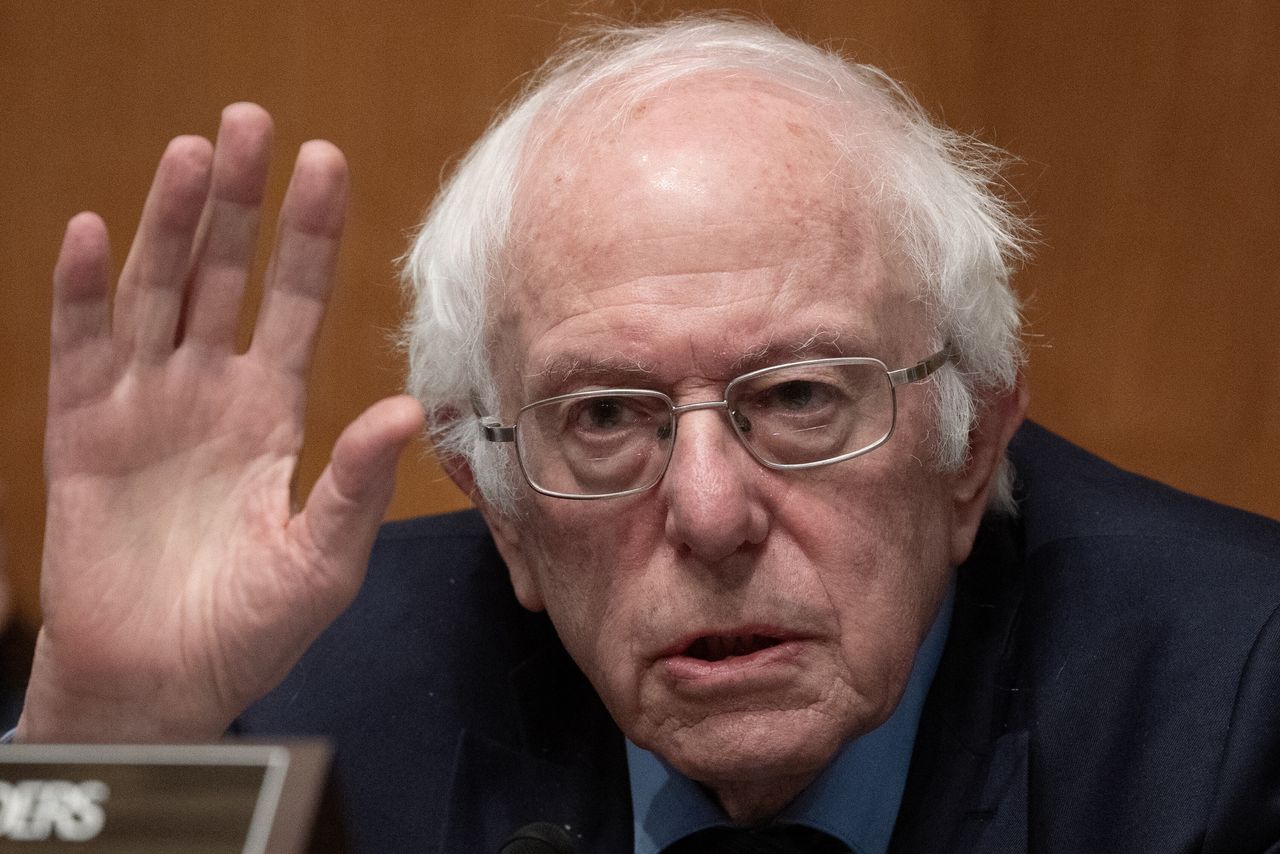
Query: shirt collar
856,798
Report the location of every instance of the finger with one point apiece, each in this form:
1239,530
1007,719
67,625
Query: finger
80,327
150,294
81,282
228,232
301,269
346,505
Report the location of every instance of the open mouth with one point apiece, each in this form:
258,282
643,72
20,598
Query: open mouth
720,647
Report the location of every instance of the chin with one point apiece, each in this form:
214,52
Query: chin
756,746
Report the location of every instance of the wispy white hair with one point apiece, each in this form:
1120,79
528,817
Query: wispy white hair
934,190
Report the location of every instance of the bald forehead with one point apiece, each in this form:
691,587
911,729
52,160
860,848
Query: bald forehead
734,107
701,151
712,219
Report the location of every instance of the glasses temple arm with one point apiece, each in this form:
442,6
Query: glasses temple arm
491,428
920,370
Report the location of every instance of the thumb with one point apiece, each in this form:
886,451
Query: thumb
346,505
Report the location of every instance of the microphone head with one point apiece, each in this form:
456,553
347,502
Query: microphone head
541,837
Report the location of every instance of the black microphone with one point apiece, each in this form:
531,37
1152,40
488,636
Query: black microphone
541,837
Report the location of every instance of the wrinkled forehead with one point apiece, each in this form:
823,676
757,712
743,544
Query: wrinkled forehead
688,197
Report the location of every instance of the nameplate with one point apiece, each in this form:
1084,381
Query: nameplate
233,798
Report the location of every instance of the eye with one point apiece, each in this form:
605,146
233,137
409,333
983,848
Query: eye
609,415
794,396
601,413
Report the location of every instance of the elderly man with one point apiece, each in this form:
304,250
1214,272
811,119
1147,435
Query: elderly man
715,329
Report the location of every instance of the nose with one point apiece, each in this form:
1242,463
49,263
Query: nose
714,505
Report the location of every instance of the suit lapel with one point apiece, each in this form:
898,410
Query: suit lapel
967,788
565,764
999,825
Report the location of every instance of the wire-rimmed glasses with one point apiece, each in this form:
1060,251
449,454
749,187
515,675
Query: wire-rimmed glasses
607,443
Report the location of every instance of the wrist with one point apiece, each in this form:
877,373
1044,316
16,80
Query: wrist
103,706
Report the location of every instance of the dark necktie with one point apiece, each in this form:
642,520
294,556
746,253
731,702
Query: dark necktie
786,839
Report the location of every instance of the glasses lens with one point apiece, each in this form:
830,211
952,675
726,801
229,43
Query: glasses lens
813,412
595,443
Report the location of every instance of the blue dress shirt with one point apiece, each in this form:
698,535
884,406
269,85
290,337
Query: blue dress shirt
855,799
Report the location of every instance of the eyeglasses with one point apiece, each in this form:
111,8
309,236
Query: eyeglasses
607,443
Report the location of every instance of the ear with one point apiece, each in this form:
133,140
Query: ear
999,415
506,534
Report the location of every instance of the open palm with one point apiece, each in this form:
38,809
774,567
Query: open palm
178,585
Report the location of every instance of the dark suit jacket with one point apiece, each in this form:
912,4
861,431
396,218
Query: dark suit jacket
1111,683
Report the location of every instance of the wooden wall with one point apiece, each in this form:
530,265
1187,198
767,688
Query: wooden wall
1149,134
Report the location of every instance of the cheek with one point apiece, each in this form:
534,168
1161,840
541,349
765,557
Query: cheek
875,553
589,560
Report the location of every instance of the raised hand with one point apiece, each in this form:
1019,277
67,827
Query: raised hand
178,585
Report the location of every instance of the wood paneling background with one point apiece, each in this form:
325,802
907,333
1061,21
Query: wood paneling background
1149,135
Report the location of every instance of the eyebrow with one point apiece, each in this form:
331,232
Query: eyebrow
822,343
570,371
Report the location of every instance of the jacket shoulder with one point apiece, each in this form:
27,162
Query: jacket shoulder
1147,619
1064,492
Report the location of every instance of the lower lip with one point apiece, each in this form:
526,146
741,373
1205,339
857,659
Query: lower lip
745,669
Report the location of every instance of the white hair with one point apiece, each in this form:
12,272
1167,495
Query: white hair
949,230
